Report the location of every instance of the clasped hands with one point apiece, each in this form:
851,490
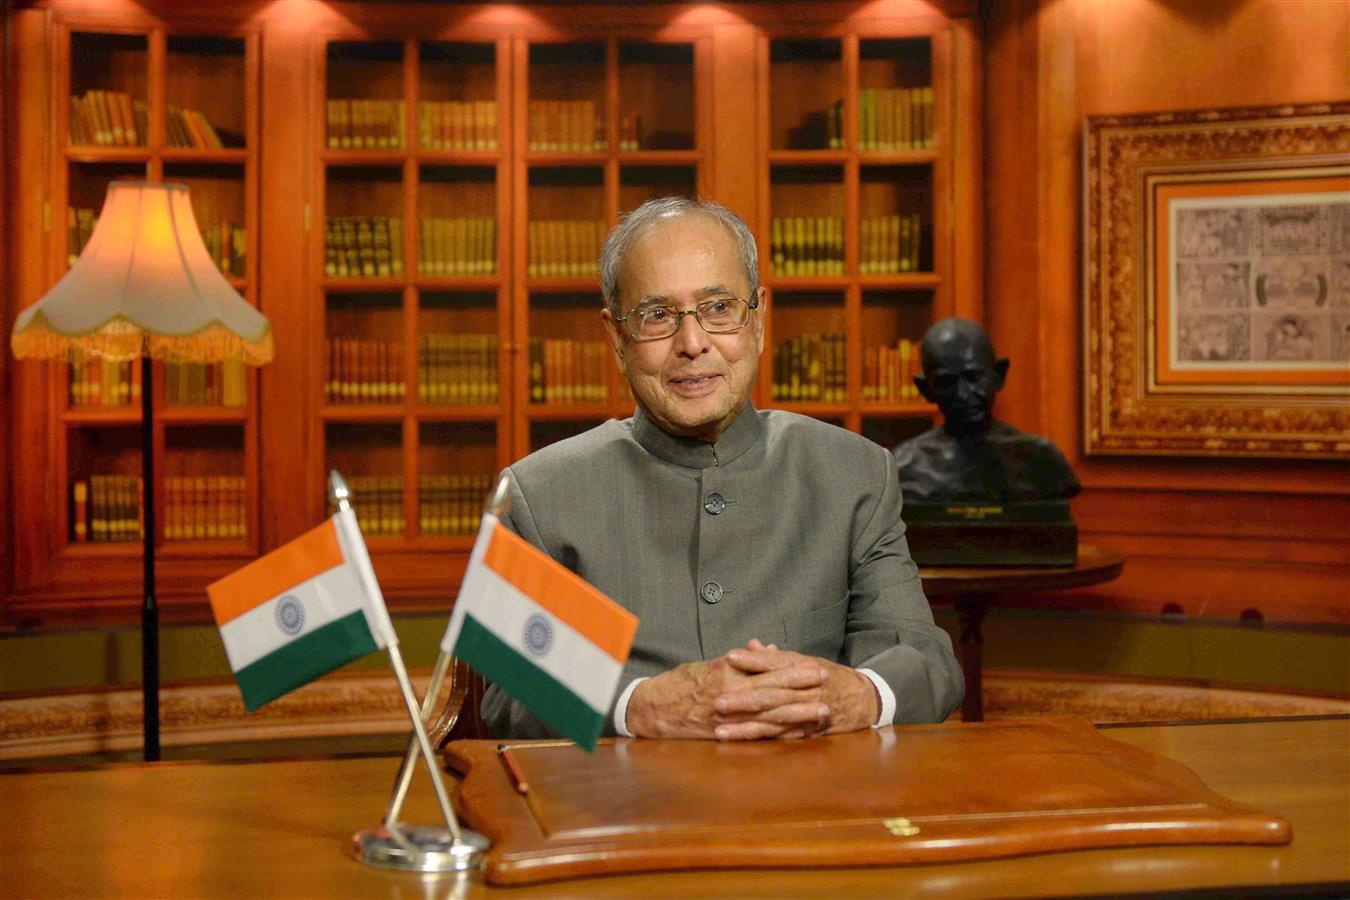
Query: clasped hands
753,693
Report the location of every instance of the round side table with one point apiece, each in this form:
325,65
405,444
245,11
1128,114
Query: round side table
973,589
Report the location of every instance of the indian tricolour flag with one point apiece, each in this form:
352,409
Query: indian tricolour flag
301,611
539,632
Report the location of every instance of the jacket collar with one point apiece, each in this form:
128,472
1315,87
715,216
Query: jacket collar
692,453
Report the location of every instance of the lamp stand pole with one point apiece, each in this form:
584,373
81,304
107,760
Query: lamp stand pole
149,608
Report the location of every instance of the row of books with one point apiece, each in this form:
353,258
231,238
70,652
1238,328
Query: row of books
377,501
189,128
228,245
107,508
204,507
630,131
364,371
895,118
95,381
103,382
563,370
564,247
811,367
458,246
457,368
889,244
365,124
565,126
888,373
807,245
448,504
205,384
363,247
80,224
109,118
457,125
451,504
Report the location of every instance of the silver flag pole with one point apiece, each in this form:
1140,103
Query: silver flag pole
497,503
405,769
416,848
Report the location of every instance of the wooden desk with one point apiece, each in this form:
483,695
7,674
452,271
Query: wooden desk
281,829
973,589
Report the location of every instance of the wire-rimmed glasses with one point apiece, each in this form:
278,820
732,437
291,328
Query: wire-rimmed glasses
719,315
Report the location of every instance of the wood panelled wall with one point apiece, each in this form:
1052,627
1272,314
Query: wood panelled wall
1208,538
7,134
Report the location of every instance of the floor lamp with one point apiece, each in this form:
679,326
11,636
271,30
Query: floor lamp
145,288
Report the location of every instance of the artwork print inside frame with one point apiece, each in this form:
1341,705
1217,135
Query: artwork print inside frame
1217,283
1252,282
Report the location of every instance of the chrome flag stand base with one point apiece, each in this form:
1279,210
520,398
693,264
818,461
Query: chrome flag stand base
420,848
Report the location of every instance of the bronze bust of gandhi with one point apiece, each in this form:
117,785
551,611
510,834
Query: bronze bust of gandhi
973,457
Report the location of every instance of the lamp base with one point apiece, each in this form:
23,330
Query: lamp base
419,848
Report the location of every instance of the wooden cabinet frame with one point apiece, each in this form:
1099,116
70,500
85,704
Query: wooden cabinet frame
286,164
53,577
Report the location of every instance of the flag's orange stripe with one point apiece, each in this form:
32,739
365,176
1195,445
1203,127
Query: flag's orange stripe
566,596
311,554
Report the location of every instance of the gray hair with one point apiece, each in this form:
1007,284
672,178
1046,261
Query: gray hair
634,223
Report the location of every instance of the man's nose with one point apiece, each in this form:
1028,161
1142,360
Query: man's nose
970,391
690,338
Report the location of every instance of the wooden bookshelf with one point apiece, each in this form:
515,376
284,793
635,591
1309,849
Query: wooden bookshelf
114,87
858,248
411,383
645,102
493,155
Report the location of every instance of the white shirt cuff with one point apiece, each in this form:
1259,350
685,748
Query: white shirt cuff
621,708
883,691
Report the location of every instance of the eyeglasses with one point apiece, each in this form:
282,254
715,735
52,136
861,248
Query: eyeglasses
719,315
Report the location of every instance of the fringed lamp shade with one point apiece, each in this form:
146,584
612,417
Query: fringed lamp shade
144,286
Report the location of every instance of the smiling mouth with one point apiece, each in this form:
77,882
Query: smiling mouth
693,384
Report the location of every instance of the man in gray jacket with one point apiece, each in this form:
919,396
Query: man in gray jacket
762,552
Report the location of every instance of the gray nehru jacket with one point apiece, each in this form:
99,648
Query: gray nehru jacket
787,530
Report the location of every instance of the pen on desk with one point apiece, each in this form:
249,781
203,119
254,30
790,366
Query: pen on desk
513,769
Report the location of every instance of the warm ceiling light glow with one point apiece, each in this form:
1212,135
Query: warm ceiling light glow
502,14
706,14
899,8
309,12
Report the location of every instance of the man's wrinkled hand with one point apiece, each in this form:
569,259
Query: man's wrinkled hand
682,703
759,707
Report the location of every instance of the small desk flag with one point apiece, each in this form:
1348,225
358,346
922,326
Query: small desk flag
540,633
301,611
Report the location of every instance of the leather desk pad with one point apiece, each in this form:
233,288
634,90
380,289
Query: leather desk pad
912,794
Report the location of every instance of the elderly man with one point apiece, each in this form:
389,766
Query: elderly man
763,552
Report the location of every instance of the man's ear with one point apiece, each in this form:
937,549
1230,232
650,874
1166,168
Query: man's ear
1000,372
617,339
921,383
761,314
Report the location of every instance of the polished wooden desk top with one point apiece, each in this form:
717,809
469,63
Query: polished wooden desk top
281,829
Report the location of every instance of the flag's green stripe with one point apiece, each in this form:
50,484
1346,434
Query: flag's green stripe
304,659
514,673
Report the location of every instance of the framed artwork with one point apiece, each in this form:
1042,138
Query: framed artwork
1216,302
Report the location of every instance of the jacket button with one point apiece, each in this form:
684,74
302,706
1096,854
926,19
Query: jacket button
712,592
714,503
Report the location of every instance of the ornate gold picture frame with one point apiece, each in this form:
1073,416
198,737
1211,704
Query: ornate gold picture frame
1216,302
